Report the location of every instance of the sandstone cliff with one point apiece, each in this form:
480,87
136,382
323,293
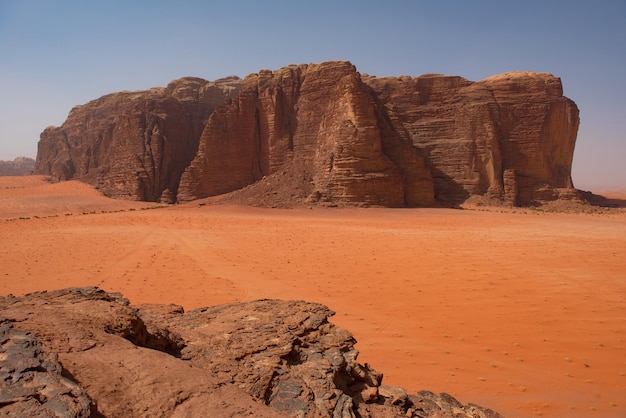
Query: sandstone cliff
20,166
509,137
325,133
85,352
133,145
319,123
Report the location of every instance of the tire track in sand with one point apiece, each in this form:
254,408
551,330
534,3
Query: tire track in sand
121,266
202,257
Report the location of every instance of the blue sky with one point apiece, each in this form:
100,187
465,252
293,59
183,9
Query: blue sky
57,54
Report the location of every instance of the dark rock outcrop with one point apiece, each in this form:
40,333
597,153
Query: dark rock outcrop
31,379
264,358
325,133
21,166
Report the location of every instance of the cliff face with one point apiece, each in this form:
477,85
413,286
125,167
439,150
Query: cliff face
133,145
319,123
324,133
509,137
537,135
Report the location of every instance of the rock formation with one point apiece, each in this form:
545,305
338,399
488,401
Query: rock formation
85,352
317,122
133,145
21,166
514,128
325,133
32,379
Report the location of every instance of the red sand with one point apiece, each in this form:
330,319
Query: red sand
520,311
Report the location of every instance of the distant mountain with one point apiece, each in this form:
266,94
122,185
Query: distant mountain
21,166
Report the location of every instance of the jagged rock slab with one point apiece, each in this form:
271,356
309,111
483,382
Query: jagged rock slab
99,340
31,379
265,358
285,353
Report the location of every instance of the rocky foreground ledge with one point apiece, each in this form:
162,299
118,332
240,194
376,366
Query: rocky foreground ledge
85,352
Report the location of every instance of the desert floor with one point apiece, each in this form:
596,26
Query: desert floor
521,311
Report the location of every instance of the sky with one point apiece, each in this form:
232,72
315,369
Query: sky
58,54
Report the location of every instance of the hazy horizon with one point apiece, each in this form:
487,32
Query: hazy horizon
58,55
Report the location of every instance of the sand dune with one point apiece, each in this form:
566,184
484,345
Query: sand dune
31,196
520,311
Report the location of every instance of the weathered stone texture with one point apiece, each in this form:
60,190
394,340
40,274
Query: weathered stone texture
265,358
323,133
318,122
101,342
471,133
31,380
133,145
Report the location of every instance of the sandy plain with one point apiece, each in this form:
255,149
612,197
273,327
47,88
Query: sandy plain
521,311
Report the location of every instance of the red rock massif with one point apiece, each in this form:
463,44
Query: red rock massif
133,144
325,133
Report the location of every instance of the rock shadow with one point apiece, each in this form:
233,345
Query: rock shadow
448,192
602,201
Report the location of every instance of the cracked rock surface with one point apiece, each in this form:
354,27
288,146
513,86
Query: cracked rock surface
32,380
86,352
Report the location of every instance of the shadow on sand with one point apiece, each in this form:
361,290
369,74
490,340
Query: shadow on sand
605,200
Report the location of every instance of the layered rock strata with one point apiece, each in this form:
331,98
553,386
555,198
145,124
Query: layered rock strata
319,122
267,358
514,128
133,145
325,133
